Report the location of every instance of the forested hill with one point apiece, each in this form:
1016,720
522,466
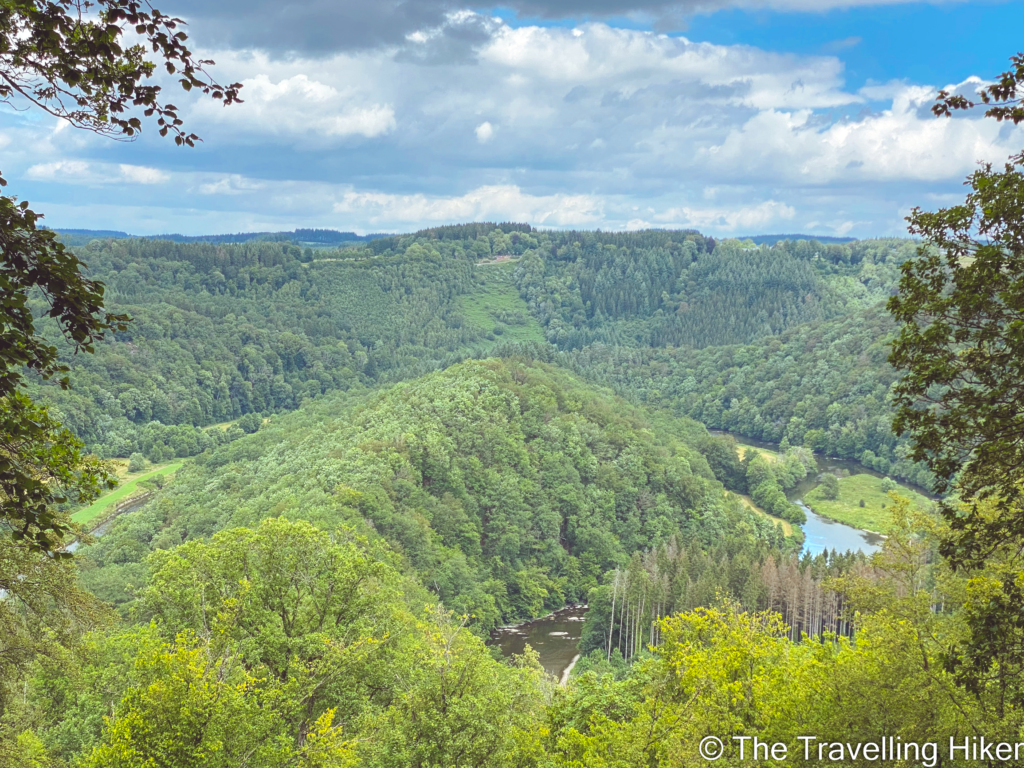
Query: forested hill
682,293
509,487
222,331
824,385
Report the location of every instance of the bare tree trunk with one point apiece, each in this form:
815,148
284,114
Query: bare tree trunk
611,621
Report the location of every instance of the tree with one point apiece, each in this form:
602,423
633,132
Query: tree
196,704
68,58
830,486
456,706
76,68
43,610
250,423
960,345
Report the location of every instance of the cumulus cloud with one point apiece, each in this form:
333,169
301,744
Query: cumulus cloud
899,144
467,117
138,174
302,106
80,172
611,106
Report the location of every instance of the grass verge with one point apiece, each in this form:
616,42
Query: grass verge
124,490
787,527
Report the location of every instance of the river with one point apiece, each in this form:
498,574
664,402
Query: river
820,532
554,637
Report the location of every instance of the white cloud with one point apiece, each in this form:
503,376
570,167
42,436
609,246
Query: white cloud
138,174
234,184
616,107
62,170
301,106
484,132
752,217
80,172
900,144
599,126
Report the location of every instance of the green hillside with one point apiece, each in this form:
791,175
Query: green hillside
509,487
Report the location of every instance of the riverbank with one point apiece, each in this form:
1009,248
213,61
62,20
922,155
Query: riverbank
546,617
98,508
787,527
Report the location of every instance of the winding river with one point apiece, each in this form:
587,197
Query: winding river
820,533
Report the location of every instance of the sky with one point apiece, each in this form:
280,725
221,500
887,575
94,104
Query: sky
733,117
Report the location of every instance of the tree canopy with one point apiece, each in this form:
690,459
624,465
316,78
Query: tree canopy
960,348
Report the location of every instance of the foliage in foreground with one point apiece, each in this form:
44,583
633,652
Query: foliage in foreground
281,646
285,645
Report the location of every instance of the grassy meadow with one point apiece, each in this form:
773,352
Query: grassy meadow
495,302
874,516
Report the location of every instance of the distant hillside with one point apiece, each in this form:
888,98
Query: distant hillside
75,237
302,236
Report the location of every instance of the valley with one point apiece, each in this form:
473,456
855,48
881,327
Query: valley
533,448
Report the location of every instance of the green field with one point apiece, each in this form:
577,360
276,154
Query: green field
124,490
846,509
742,450
495,302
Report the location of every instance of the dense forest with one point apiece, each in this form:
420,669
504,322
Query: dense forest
823,385
221,331
508,487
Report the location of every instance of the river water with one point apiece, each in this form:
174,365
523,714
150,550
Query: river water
820,534
554,637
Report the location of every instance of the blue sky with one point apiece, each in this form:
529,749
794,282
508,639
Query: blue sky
730,116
